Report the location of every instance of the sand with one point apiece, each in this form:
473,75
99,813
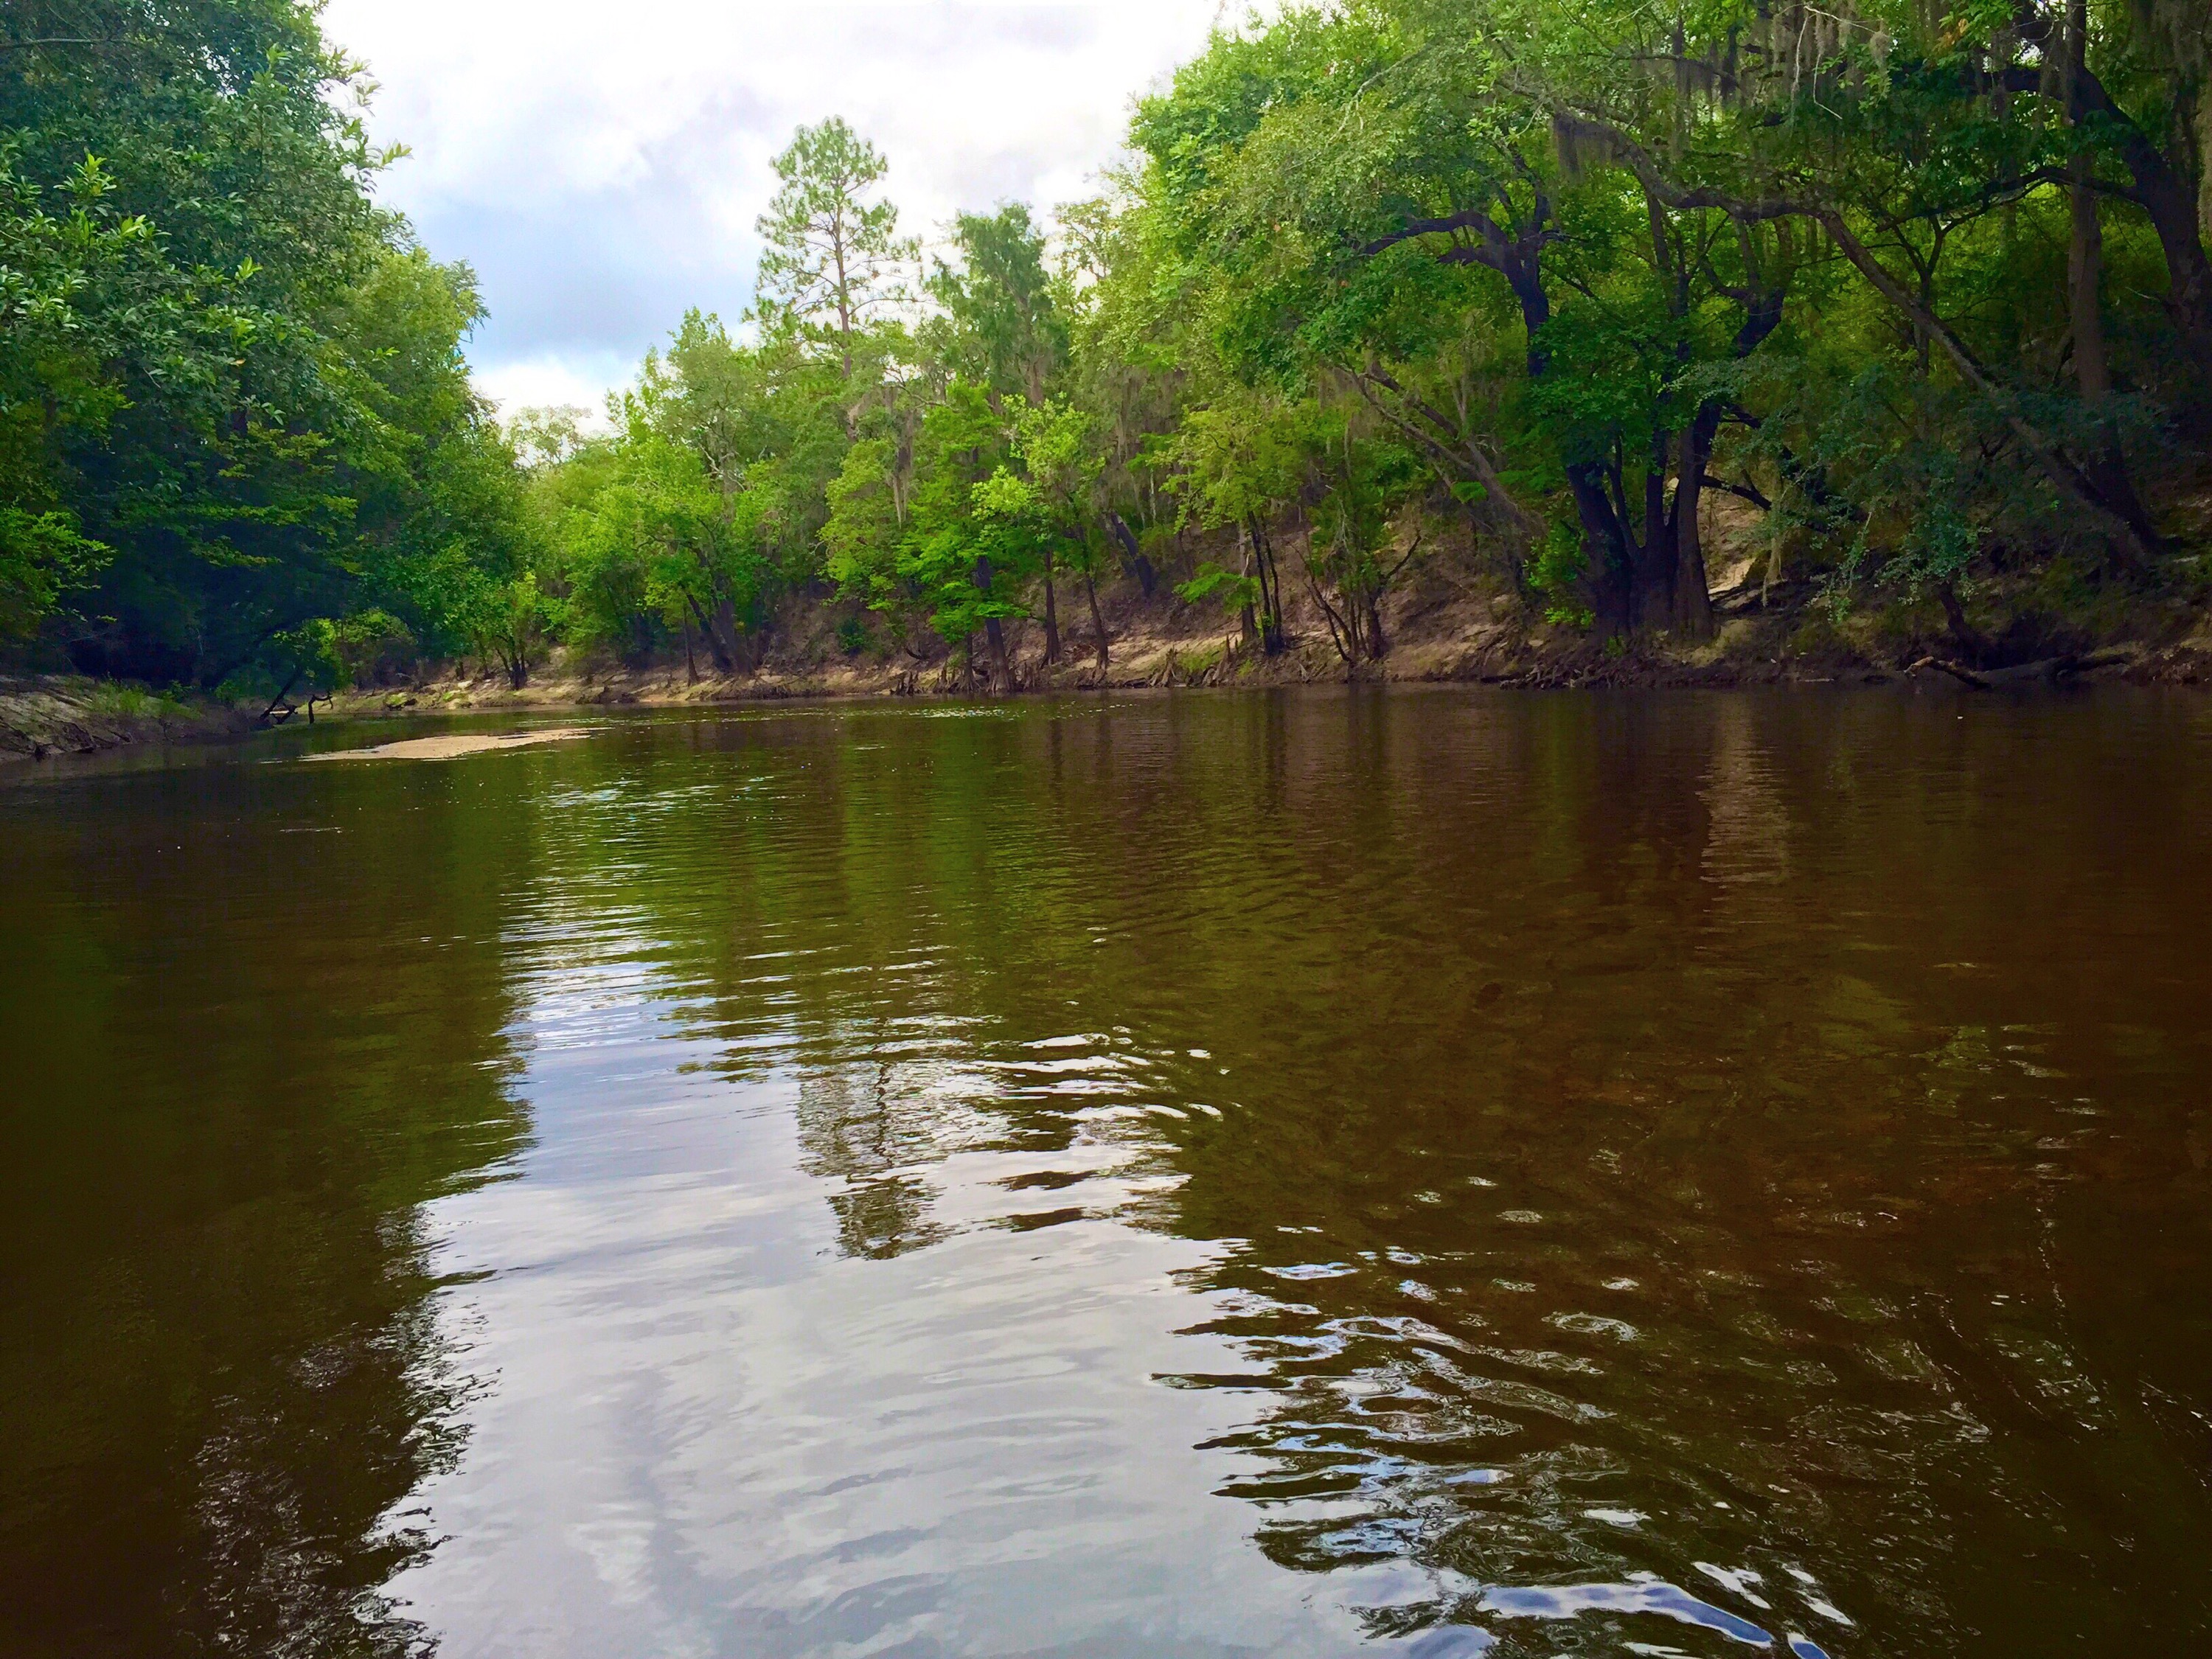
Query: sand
454,746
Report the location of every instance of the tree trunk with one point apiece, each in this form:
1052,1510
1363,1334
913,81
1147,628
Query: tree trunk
1693,604
1964,635
1608,545
1097,620
277,701
1132,553
739,648
690,661
1248,622
1273,638
1654,568
1051,614
1342,631
1608,578
2189,284
994,637
2107,464
2085,267
721,653
2085,280
2172,204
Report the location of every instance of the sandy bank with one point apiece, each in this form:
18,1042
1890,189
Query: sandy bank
453,746
66,714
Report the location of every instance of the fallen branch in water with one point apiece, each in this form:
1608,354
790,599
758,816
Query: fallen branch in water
2048,670
268,715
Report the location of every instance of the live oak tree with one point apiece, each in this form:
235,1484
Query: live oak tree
1594,266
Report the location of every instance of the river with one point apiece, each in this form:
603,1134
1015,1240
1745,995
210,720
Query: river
1408,1173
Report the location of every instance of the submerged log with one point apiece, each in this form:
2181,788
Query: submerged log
2047,670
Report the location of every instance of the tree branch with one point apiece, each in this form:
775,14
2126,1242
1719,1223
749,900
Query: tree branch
1471,219
2136,541
1391,575
1519,518
1749,492
62,41
2061,471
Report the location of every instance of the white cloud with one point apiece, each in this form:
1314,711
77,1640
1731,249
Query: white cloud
580,379
602,169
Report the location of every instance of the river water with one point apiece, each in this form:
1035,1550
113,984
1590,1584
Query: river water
1323,1174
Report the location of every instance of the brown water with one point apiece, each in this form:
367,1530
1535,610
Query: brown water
1157,1179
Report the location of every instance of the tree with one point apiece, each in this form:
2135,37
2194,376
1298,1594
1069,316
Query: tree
1370,482
970,542
834,257
1002,327
1922,287
232,398
1583,273
1056,445
1242,461
866,527
706,503
51,376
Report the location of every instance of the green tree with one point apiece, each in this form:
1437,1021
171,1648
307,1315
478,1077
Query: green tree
230,385
969,543
1002,327
705,504
1062,463
833,260
1241,462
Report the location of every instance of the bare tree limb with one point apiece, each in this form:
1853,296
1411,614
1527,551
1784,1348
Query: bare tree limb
1746,491
1465,453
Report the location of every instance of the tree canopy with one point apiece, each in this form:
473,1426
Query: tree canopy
232,402
1922,292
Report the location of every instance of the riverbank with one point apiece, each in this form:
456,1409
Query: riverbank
68,714
1436,632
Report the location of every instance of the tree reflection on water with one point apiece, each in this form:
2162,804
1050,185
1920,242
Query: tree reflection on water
1699,1171
241,1058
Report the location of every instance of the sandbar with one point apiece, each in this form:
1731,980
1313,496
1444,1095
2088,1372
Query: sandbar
452,745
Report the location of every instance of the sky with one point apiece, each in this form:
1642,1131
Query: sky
601,166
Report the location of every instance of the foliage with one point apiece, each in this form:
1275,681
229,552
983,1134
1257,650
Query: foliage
1556,572
1555,275
232,398
834,257
1511,283
1000,325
